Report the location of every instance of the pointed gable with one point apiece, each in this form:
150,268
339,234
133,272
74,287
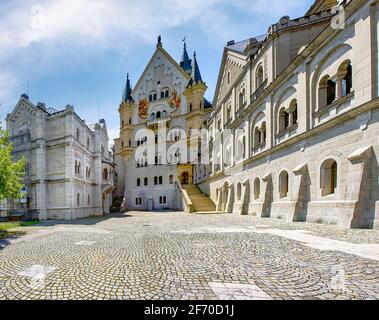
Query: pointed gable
232,65
22,115
160,65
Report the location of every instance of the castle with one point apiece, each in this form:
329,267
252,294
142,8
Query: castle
293,130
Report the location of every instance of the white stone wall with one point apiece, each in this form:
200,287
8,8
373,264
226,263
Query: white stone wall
345,131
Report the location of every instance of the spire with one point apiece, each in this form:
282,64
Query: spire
185,63
127,96
196,75
159,42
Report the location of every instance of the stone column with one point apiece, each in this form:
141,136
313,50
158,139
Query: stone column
358,189
98,172
40,154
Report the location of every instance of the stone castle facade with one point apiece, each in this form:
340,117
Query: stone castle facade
69,170
156,119
295,127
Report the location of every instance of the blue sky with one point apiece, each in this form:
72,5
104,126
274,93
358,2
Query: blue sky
78,52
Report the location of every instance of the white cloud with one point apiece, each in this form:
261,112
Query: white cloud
89,20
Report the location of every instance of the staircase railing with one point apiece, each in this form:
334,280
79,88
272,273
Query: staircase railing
186,200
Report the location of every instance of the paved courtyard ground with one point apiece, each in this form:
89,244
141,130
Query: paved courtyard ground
182,256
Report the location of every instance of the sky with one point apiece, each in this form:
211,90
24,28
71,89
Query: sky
78,52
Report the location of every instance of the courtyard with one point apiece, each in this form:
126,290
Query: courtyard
174,255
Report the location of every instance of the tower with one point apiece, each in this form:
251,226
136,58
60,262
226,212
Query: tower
194,93
126,120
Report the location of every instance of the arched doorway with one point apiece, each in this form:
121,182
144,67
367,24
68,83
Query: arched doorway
184,179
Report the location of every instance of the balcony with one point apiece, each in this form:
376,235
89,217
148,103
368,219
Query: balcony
155,123
259,91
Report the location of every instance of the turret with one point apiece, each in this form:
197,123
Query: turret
126,118
185,62
194,93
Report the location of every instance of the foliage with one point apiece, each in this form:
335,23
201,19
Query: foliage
11,172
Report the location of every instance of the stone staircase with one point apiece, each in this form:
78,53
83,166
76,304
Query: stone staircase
202,203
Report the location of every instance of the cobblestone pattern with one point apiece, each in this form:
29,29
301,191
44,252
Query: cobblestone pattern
143,256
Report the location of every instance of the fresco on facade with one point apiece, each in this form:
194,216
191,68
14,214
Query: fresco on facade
175,100
143,108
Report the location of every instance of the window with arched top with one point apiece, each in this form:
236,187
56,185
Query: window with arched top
257,188
326,92
88,200
293,112
146,182
259,77
78,199
344,79
283,184
105,174
171,179
155,181
77,134
138,182
329,177
159,115
283,119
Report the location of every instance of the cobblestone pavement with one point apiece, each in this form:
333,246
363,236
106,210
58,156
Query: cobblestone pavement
182,256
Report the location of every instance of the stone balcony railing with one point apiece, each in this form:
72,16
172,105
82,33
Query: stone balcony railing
157,122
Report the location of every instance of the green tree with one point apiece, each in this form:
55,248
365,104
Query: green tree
11,172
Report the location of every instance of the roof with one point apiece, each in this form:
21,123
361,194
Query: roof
241,45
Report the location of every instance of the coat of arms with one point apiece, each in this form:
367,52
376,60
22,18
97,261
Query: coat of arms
143,108
174,100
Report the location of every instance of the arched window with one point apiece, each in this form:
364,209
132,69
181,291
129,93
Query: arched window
88,199
190,107
155,97
129,143
164,114
239,191
162,95
326,92
146,182
345,78
228,113
257,189
78,199
88,143
77,134
155,181
130,121
160,180
138,182
159,115
167,93
150,97
293,112
283,184
241,98
171,179
283,119
105,174
259,77
329,177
